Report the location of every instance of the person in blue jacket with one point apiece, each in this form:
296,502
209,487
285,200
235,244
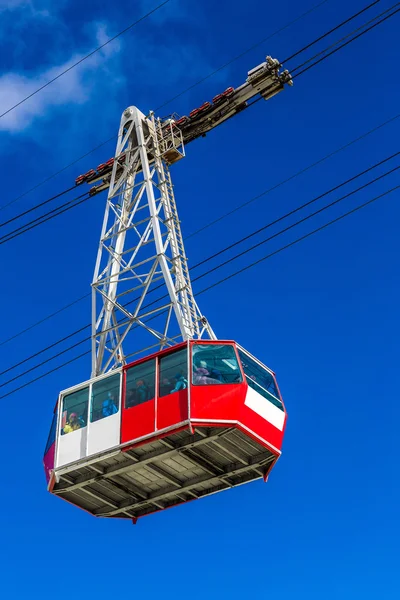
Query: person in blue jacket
109,406
142,391
181,383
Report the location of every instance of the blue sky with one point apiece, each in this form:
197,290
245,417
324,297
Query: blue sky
323,315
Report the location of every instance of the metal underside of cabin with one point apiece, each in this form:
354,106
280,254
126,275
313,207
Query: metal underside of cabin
164,473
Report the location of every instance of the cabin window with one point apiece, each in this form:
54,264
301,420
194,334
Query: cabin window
215,364
260,379
140,383
105,398
52,435
74,411
173,373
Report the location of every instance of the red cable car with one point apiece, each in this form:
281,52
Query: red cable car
195,419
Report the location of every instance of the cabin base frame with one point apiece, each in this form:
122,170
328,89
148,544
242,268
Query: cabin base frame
175,468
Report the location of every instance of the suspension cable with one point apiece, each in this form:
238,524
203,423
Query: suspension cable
335,188
198,82
217,283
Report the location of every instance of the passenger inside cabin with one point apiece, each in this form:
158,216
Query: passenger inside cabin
72,423
130,398
181,383
213,373
109,406
142,391
205,375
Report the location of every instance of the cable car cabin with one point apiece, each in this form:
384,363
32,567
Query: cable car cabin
189,421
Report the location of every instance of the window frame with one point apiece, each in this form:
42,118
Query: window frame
216,343
89,384
97,380
131,367
262,366
69,392
167,355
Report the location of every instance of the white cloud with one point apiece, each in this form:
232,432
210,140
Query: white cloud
34,10
73,88
102,37
146,71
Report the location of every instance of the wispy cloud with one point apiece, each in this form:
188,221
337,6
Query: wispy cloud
82,109
145,67
38,9
73,88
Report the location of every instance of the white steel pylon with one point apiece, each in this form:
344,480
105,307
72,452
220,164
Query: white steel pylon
141,248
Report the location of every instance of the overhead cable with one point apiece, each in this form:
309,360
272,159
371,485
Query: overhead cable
302,206
238,272
253,199
291,177
198,82
389,16
300,239
19,232
329,32
81,60
51,214
228,213
46,318
277,234
4,223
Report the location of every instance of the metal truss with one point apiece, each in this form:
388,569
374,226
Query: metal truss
141,249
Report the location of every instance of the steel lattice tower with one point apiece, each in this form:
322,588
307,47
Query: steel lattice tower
141,244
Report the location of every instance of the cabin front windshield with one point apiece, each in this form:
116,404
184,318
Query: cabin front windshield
260,379
215,364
